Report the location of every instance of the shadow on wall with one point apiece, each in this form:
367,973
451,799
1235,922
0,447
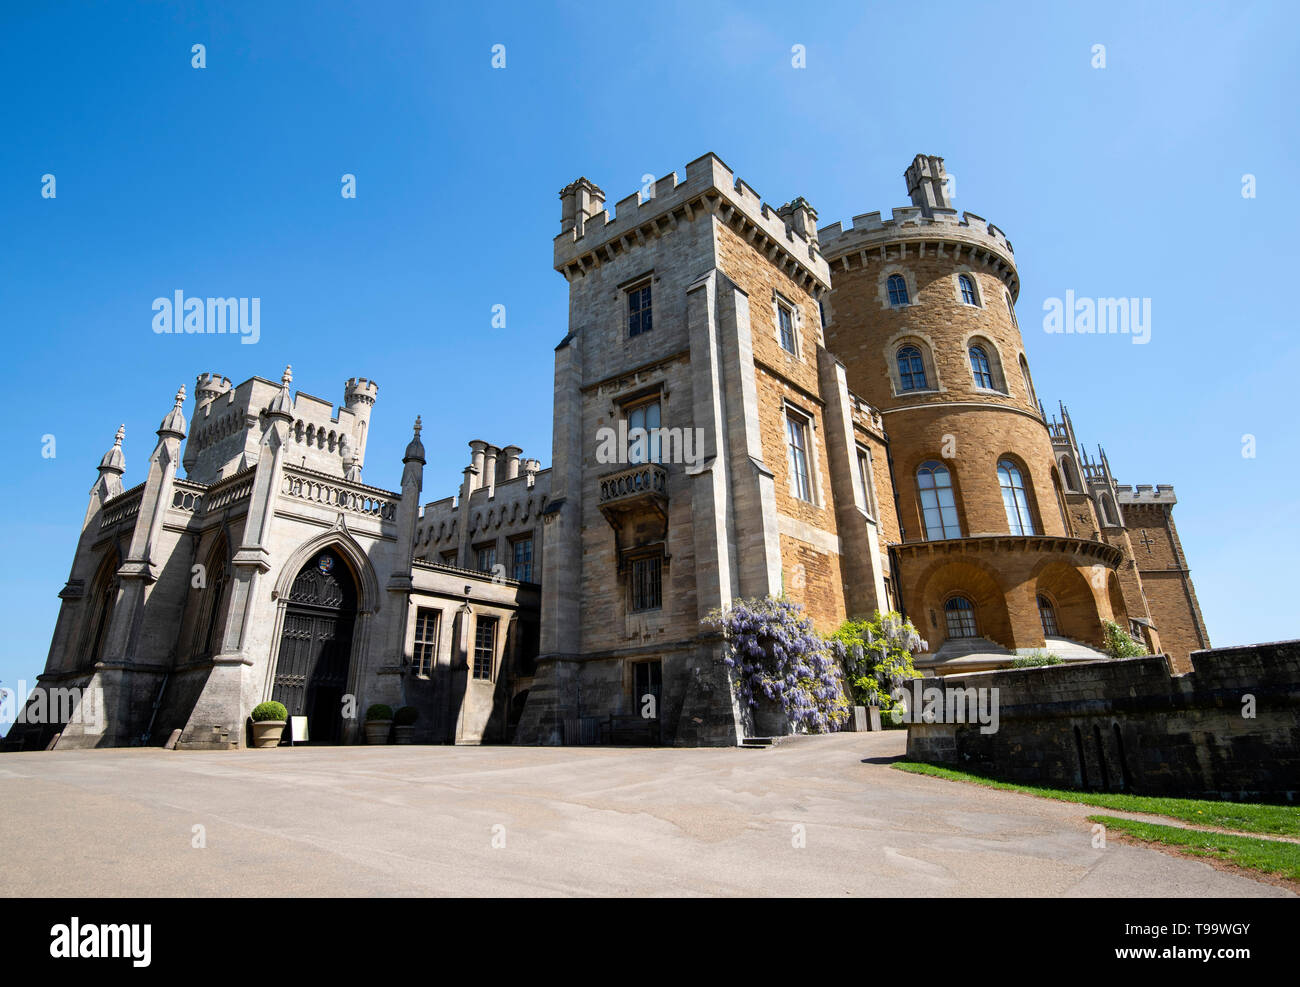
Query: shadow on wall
1228,729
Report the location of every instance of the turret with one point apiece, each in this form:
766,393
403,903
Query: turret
927,183
359,398
579,201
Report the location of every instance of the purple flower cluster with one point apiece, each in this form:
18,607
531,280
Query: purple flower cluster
774,652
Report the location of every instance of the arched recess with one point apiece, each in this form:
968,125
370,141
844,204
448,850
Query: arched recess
210,623
339,540
99,615
1077,615
1118,609
980,585
1070,473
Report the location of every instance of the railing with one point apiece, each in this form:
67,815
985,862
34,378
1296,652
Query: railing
634,481
318,489
231,490
188,497
122,507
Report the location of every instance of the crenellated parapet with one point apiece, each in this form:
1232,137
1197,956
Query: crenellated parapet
1145,493
916,231
590,238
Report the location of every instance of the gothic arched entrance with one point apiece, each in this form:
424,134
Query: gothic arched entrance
311,672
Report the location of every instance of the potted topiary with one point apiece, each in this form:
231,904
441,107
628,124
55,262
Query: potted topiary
404,724
379,717
268,723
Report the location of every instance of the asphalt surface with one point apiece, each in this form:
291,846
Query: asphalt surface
564,821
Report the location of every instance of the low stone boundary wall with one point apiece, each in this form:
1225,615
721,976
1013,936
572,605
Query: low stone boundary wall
1228,729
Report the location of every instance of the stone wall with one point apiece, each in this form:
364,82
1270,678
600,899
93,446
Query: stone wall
1131,726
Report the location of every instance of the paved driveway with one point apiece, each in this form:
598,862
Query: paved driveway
423,821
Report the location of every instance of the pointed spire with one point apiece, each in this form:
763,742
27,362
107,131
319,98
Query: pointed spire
174,423
114,461
283,403
415,450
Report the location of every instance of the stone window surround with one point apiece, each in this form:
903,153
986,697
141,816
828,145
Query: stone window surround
413,623
975,283
498,642
869,492
909,278
1066,474
974,610
796,324
629,677
1027,379
997,365
788,407
640,553
953,479
621,292
895,343
1031,494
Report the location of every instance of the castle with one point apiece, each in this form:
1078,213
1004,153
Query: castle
862,433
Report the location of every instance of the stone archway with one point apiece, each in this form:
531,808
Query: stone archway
313,664
1074,603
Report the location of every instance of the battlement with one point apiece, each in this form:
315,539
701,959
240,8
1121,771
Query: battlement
209,387
869,231
1145,493
589,237
359,390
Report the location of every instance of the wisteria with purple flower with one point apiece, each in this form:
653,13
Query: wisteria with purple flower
774,652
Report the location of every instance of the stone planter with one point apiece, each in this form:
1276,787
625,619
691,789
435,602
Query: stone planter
404,733
377,731
266,733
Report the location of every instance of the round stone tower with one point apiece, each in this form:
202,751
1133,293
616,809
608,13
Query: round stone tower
922,315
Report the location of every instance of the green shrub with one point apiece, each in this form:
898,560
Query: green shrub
1035,659
379,711
405,716
269,711
1119,644
878,655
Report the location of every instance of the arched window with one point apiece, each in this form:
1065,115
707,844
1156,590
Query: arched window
1029,383
1047,616
938,506
1014,499
1011,309
1108,514
979,366
102,601
897,290
1071,474
911,370
967,289
961,617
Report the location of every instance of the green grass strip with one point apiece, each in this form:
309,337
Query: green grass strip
1248,817
1265,856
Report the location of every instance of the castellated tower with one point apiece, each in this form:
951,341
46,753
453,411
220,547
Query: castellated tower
923,316
693,318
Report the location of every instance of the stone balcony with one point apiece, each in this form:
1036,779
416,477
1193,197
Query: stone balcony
634,490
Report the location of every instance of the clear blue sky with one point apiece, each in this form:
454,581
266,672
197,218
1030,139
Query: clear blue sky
225,181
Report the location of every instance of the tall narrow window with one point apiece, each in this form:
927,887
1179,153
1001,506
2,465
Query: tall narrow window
911,370
523,560
647,680
785,322
643,433
897,290
1029,383
1012,310
425,653
1047,616
638,310
960,614
868,485
1014,499
938,506
796,430
967,289
646,591
979,366
486,557
485,646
